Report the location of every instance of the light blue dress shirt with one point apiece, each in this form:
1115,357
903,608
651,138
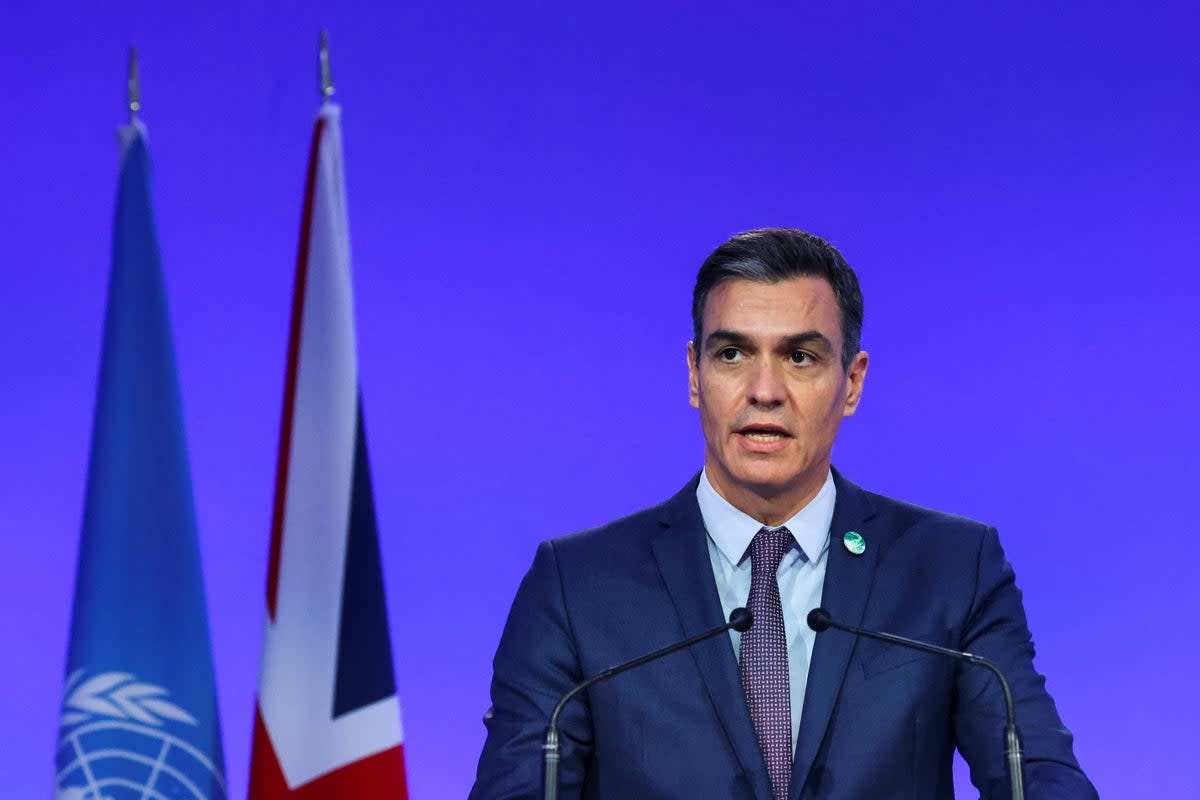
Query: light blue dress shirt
801,573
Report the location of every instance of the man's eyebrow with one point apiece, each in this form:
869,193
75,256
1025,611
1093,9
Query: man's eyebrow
723,337
806,338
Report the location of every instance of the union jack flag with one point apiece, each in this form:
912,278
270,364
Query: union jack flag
328,719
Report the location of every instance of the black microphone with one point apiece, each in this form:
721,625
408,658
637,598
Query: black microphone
740,620
820,620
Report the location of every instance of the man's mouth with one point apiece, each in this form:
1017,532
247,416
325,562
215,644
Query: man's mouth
764,433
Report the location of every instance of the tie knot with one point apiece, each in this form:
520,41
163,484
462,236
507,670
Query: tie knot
768,546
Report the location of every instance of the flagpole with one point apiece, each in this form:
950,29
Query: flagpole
326,75
315,733
133,87
139,663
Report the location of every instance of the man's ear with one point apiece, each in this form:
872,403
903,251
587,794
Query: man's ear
693,375
855,376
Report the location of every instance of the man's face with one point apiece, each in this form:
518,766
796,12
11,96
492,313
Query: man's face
769,384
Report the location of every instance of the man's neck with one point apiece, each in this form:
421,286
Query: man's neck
771,508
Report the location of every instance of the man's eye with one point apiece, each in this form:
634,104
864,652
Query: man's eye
801,357
729,354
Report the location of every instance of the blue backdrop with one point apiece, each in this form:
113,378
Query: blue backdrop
531,190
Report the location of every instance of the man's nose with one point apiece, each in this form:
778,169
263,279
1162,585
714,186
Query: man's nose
766,385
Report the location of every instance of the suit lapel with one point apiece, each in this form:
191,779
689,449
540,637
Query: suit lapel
681,550
848,580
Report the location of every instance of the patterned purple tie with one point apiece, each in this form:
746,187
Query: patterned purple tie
764,658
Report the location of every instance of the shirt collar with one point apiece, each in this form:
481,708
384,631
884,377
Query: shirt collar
731,529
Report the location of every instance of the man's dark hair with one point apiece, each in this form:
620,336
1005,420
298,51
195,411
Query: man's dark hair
771,255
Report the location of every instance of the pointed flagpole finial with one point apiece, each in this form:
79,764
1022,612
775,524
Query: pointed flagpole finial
133,88
326,75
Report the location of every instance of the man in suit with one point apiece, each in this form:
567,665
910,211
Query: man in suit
776,713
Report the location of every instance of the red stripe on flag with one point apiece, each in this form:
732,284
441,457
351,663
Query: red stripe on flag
377,776
293,362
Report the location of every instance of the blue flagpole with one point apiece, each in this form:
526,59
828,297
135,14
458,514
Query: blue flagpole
139,714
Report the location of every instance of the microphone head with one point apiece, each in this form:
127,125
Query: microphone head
741,619
819,620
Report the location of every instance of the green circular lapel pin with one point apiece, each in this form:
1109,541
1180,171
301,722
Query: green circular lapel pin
854,542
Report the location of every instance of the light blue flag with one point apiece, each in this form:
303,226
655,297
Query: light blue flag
139,712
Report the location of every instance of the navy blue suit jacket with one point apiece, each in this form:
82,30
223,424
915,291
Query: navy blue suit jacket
878,722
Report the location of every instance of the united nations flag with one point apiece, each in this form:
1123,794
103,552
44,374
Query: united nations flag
139,714
122,738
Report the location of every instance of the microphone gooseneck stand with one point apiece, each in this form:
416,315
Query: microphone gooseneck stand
820,620
739,620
